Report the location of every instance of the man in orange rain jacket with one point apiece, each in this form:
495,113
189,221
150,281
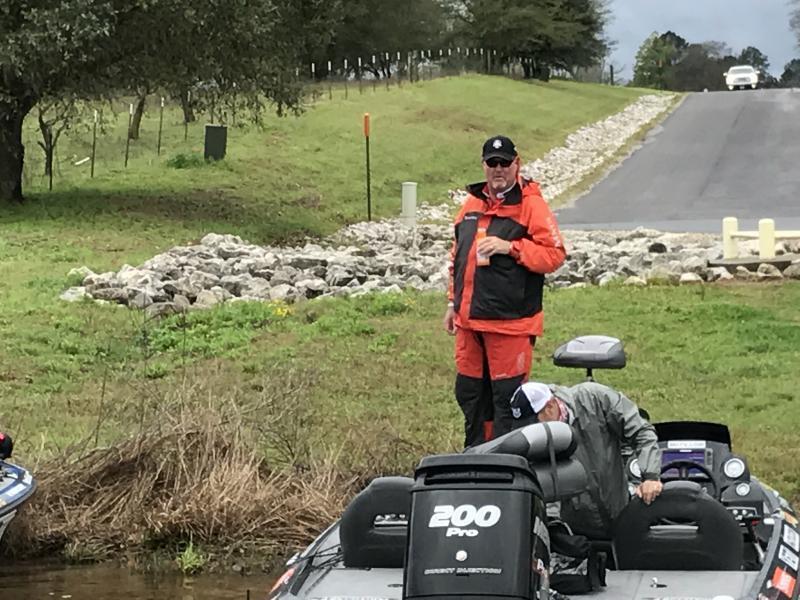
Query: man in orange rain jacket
506,239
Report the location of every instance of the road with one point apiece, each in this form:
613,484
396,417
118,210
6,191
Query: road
719,154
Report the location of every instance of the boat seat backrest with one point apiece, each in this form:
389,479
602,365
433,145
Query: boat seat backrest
684,529
367,543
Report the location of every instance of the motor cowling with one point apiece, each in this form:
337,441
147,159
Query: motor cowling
474,529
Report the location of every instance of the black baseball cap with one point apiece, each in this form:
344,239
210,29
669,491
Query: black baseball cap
499,146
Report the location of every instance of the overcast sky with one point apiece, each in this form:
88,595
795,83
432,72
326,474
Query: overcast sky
739,23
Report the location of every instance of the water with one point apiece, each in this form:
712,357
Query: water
102,582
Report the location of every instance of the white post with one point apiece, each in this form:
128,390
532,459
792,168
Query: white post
730,225
408,214
766,238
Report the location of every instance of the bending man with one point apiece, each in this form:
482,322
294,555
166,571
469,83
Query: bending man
603,419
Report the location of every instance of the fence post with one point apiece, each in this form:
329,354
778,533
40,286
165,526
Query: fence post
730,226
94,141
408,214
160,126
766,238
345,79
128,136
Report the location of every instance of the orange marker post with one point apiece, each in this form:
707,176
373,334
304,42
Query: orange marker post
369,192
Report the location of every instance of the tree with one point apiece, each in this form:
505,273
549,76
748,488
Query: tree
368,28
92,48
791,74
55,116
653,59
754,57
699,69
546,33
794,20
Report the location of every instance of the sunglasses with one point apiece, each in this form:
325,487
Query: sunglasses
493,162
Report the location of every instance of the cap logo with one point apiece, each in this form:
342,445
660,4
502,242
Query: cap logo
497,144
516,412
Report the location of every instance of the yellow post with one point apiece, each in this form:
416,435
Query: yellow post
730,225
766,238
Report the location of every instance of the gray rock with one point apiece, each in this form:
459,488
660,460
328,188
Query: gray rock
695,264
690,278
75,294
607,278
82,272
202,280
767,271
657,248
181,302
163,309
207,299
282,291
792,271
140,300
635,281
256,288
118,295
718,274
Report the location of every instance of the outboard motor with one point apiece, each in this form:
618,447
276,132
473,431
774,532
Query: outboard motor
471,530
478,521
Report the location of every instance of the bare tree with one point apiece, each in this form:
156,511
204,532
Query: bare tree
55,117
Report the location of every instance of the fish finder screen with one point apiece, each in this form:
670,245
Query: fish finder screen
667,456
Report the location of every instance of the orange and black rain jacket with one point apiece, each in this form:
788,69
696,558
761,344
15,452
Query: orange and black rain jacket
506,295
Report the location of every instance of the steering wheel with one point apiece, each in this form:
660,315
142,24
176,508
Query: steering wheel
683,467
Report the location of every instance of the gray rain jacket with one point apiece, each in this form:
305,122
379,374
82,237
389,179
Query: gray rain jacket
604,420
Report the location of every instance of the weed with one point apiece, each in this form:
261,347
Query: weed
186,161
190,560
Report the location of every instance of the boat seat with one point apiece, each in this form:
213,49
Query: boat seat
374,526
684,529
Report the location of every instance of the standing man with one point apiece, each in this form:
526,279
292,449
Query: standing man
506,239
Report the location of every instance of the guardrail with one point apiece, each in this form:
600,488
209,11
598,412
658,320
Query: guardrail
766,236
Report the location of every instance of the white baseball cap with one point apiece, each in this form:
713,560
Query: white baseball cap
529,399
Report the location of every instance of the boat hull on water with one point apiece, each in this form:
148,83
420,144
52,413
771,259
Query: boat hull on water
17,485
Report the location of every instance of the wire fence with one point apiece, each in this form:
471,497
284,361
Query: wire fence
104,143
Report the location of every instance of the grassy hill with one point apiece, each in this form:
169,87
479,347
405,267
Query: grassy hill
306,175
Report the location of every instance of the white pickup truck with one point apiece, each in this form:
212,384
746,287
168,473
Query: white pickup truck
741,77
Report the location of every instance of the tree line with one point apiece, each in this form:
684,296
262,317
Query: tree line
667,61
245,54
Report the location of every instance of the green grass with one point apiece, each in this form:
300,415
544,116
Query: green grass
304,175
379,368
292,177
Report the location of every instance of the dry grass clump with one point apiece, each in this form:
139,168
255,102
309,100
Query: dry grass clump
220,473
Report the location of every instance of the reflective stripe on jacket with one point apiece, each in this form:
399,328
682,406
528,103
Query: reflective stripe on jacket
506,295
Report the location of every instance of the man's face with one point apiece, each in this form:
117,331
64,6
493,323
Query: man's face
500,173
550,412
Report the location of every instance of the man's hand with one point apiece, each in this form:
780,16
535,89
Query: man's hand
648,490
450,320
493,245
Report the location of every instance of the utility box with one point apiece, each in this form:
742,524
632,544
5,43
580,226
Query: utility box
216,142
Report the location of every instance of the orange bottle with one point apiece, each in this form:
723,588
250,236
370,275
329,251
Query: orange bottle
480,259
